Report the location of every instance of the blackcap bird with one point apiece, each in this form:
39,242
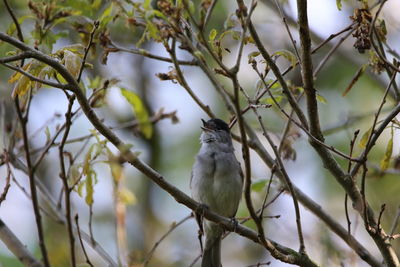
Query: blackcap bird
216,183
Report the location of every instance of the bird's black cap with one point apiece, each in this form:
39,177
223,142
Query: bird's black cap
215,125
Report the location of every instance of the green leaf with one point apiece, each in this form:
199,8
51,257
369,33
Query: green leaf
253,54
258,185
48,135
50,38
12,27
72,62
127,197
89,187
212,35
364,138
23,83
80,188
94,83
106,17
140,111
199,55
96,4
147,4
321,99
236,35
153,31
339,4
287,55
86,162
115,166
75,174
388,154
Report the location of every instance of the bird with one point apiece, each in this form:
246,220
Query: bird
216,183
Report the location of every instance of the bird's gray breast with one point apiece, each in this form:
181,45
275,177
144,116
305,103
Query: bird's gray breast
217,182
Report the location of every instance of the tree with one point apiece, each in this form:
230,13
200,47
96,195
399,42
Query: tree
66,45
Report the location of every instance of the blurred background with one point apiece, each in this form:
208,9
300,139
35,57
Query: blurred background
150,212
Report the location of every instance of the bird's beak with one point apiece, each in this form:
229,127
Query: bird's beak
205,126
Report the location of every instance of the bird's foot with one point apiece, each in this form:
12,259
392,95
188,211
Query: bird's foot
201,209
199,214
235,224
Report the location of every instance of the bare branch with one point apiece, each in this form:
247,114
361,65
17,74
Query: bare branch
64,179
35,202
16,247
170,230
81,241
147,54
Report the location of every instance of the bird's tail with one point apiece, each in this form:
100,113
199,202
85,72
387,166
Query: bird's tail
212,248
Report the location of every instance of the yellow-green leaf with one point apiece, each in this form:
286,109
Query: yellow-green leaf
80,188
115,166
212,35
17,75
127,197
72,62
106,17
339,4
89,187
321,99
287,55
21,87
86,163
75,174
140,111
364,138
258,185
388,154
253,54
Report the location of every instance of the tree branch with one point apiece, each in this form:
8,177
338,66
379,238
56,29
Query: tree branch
16,247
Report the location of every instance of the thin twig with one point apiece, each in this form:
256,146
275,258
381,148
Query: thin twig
267,192
383,206
170,230
8,177
51,205
278,75
305,130
64,179
147,54
346,210
330,53
287,180
81,241
315,208
376,133
182,81
17,26
50,143
395,222
32,183
209,12
352,143
362,192
87,48
283,17
91,223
